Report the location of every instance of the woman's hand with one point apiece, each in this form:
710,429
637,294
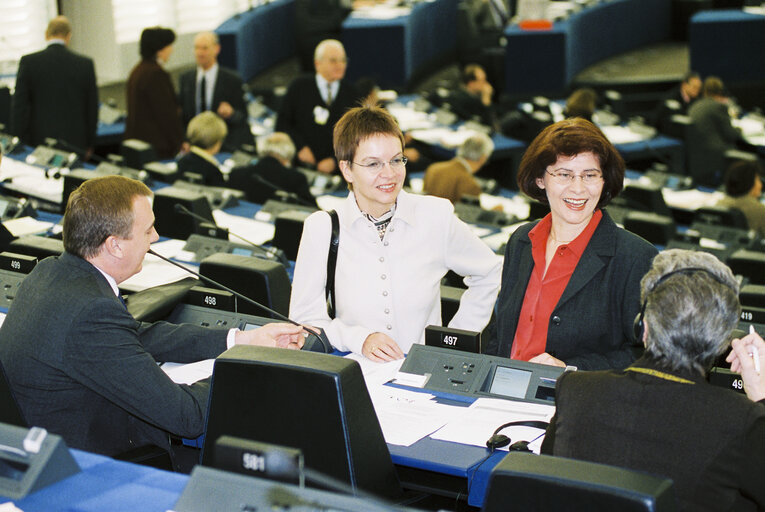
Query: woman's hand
380,348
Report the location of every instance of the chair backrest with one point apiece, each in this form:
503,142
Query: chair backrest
10,412
750,264
721,216
529,482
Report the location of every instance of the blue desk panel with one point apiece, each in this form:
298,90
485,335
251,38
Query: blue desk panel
394,52
545,62
257,39
727,44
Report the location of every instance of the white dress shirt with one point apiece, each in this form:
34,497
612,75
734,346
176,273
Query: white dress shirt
211,75
392,285
326,87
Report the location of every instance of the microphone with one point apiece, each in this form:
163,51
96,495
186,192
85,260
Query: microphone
286,196
273,253
314,342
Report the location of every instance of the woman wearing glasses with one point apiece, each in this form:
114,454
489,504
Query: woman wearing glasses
571,281
394,249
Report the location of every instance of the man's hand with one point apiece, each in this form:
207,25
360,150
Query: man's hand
326,166
280,335
305,155
545,358
380,347
741,361
225,110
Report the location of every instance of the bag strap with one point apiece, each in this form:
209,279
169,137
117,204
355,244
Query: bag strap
334,242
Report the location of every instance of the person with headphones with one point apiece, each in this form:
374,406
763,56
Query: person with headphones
571,281
660,415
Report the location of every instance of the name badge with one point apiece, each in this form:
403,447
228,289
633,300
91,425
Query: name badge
320,115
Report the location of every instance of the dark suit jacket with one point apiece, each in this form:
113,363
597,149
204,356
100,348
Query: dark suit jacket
591,327
193,163
56,96
82,367
153,113
709,440
228,87
274,173
469,106
297,120
709,136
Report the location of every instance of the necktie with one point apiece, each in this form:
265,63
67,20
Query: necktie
329,95
202,95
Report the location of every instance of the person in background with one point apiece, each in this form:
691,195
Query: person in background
571,281
454,178
660,415
77,361
473,99
153,113
678,99
394,249
314,103
223,92
56,94
205,133
743,189
273,172
581,103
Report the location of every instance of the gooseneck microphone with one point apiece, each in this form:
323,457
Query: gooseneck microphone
314,342
280,194
272,252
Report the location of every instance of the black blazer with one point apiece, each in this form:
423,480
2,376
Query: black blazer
591,327
56,96
193,163
228,87
82,367
297,120
272,172
709,440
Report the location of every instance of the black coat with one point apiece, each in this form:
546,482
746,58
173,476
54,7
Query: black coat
195,164
56,96
271,172
591,327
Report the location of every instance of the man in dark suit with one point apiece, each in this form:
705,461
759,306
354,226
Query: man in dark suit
473,99
273,172
79,364
313,104
223,92
660,415
56,94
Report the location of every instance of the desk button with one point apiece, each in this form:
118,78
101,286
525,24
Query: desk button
385,244
391,229
382,259
556,320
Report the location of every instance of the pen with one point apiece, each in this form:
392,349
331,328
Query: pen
755,352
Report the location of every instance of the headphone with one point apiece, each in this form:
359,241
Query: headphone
638,326
498,440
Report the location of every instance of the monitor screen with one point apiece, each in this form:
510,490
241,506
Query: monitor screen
510,382
241,251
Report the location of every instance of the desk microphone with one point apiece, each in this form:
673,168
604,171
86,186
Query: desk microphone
316,341
272,253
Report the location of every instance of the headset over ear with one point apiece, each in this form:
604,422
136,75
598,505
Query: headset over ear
638,326
498,440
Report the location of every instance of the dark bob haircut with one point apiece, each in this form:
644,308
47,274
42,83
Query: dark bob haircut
740,177
569,138
153,39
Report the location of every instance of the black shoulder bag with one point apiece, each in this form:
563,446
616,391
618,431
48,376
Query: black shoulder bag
334,242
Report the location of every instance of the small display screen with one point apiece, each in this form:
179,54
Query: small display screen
510,382
249,327
241,251
56,161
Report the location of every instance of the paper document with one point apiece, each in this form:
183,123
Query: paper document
155,272
486,414
255,231
27,226
189,373
376,374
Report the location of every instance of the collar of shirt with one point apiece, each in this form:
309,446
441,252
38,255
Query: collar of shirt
204,154
112,282
210,75
404,209
541,231
321,84
465,164
56,40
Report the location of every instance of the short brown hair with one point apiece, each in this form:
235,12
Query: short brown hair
569,138
58,27
713,86
359,124
97,209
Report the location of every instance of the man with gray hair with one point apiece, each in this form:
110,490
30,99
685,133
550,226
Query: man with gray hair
660,415
56,94
213,87
454,178
314,103
273,172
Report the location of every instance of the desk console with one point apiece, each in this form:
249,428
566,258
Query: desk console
481,375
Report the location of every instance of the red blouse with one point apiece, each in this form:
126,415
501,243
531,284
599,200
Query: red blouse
545,290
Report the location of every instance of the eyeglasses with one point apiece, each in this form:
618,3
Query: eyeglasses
336,60
376,166
564,177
